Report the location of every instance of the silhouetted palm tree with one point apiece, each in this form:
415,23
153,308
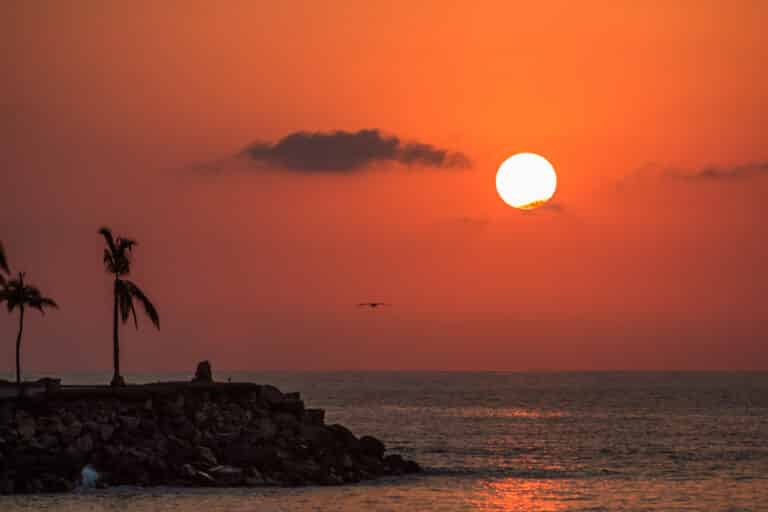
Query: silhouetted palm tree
117,262
17,294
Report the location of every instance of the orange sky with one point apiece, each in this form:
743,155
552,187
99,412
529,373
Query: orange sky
131,114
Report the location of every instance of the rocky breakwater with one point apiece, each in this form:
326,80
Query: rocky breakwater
189,434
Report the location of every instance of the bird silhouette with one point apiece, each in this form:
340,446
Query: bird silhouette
372,305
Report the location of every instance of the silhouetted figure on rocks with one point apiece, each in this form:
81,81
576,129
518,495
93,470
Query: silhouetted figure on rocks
203,373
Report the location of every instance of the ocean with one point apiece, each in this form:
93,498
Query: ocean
508,441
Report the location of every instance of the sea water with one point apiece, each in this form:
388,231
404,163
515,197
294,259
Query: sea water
508,441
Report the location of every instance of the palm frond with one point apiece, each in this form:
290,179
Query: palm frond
124,299
135,317
3,260
109,261
125,244
149,308
107,234
40,303
15,294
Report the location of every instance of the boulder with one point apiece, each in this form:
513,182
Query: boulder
286,421
271,395
129,423
84,443
252,477
106,431
50,425
25,425
412,467
372,447
206,457
262,429
291,405
203,373
227,476
192,475
343,436
313,417
372,465
72,431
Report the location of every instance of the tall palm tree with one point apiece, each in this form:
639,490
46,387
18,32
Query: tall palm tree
15,293
117,261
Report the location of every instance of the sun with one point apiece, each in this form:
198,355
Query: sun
526,181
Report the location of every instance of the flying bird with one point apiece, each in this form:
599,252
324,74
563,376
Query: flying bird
372,305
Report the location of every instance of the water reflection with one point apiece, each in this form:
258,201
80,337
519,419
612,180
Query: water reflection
529,495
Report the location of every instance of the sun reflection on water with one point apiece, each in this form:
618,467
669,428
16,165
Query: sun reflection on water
527,495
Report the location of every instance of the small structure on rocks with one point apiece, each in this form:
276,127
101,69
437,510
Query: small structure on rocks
196,434
203,373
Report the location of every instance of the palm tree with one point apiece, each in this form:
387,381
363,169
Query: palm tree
17,294
117,261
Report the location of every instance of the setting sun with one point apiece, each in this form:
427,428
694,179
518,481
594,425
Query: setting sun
526,181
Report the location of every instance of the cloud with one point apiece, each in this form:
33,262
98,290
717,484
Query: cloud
737,172
343,151
546,207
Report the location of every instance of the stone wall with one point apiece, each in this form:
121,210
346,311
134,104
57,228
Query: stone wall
199,434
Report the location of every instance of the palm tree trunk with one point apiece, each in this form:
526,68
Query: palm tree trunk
18,346
117,380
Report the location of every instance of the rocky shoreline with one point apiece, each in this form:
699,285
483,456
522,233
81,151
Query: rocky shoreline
181,434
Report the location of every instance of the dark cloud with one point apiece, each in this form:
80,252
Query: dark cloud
548,206
737,172
343,151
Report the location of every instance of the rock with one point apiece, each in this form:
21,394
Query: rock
84,443
252,477
262,429
303,471
50,425
313,417
264,457
206,456
203,372
412,467
72,432
292,406
6,413
129,423
345,437
286,421
372,464
193,475
55,483
227,476
25,425
181,434
48,441
271,395
105,432
372,447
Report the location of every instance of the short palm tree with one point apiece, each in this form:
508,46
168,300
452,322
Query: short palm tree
117,261
16,294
